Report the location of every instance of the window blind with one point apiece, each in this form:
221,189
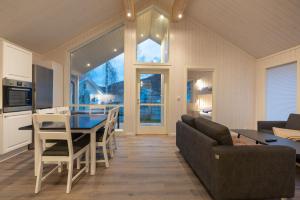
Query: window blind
281,91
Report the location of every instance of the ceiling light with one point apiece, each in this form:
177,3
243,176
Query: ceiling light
142,35
157,35
88,64
129,14
115,50
180,16
161,17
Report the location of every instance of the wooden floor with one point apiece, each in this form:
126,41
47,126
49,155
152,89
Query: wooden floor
144,168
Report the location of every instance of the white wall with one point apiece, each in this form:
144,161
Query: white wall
234,75
191,45
280,58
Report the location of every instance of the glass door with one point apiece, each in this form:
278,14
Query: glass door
151,100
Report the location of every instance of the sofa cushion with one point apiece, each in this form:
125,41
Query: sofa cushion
293,122
216,131
188,119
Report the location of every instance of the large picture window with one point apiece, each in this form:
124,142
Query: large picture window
99,68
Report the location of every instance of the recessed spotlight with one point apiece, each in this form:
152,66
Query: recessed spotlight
142,35
161,16
180,16
157,35
115,50
129,14
88,64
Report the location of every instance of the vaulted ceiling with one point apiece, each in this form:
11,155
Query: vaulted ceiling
260,27
42,25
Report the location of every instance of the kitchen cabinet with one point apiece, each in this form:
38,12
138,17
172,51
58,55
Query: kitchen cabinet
11,137
16,62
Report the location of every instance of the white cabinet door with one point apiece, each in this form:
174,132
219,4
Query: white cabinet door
17,63
13,138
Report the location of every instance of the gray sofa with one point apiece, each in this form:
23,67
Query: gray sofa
235,172
293,122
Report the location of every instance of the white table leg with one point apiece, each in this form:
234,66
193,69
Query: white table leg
93,152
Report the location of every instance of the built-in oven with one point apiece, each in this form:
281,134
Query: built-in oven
17,95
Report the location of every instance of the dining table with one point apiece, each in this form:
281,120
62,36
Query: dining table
79,123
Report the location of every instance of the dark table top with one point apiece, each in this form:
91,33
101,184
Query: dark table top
261,138
77,122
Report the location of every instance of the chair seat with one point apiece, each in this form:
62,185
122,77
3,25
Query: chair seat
61,147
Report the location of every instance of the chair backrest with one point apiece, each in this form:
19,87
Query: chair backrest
97,109
110,122
63,110
293,122
42,134
116,113
92,108
46,111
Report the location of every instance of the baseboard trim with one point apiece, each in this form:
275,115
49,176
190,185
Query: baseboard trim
13,153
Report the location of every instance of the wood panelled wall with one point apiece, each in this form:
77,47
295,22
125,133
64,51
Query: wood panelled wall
192,45
280,58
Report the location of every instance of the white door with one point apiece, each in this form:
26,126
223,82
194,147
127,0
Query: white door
151,102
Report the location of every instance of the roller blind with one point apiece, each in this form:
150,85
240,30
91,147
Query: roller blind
281,91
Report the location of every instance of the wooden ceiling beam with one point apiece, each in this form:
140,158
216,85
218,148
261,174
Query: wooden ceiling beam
178,9
129,9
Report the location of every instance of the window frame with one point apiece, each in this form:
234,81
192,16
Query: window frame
166,15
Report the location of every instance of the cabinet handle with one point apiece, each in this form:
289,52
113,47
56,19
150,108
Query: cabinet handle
18,75
7,116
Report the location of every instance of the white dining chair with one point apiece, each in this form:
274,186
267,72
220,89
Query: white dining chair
75,136
113,133
65,151
104,139
46,111
63,110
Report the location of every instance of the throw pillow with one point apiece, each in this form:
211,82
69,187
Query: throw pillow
287,133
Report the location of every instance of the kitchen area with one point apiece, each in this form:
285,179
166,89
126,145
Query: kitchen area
25,86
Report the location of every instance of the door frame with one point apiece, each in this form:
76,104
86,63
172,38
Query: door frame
152,129
214,87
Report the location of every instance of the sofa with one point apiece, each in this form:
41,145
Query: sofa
293,122
235,172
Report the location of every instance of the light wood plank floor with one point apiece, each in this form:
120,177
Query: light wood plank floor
144,168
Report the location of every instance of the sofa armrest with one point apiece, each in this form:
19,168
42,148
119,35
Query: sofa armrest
268,125
253,172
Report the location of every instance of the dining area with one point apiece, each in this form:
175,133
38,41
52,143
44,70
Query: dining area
73,136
